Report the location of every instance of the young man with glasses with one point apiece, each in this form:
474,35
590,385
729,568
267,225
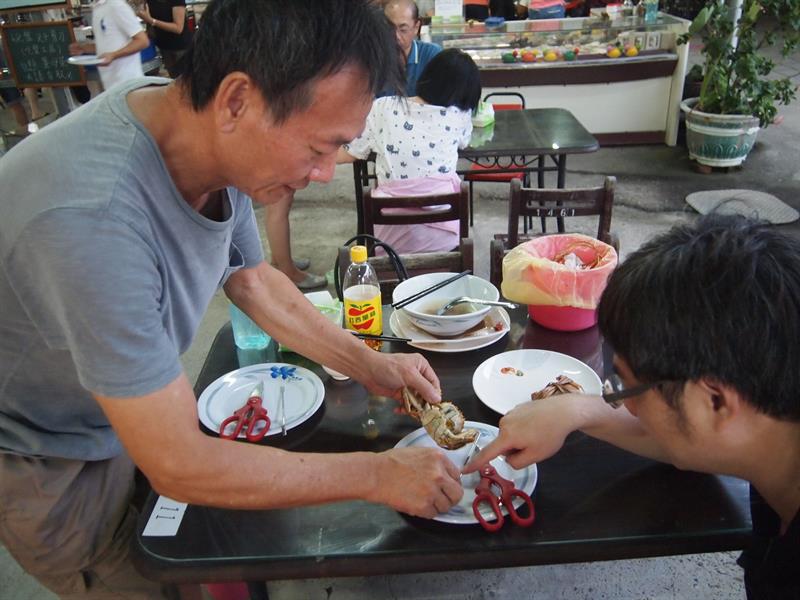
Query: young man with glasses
705,322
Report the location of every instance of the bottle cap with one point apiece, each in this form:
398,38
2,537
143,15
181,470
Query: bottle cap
358,254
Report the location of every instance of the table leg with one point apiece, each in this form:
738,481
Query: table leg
561,162
526,182
257,590
540,184
183,592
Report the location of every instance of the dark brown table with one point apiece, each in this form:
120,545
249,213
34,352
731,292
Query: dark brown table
523,138
518,140
593,501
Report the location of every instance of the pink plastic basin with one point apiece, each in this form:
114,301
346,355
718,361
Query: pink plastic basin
563,318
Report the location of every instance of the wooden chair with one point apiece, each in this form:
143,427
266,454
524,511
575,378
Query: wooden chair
363,177
455,261
450,207
489,173
556,204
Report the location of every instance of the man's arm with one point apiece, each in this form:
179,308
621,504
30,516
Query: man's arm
136,44
275,303
160,433
82,48
536,430
175,26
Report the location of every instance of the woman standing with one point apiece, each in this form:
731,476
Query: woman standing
167,18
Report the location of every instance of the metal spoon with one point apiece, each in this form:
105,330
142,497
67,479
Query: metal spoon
462,299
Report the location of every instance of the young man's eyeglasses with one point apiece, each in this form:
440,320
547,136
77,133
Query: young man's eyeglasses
615,392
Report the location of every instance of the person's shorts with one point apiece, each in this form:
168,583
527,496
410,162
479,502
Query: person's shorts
10,95
476,12
557,11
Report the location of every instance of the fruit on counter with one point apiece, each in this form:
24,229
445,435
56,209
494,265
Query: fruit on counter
508,57
569,55
631,51
515,53
550,55
528,57
614,52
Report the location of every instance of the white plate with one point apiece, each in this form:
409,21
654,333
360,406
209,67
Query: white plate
84,60
402,326
461,513
302,398
532,370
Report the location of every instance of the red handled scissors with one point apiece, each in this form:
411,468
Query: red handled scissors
486,492
248,418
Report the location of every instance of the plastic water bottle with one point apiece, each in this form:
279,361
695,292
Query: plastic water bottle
362,294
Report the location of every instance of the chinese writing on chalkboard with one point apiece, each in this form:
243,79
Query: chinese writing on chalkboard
37,54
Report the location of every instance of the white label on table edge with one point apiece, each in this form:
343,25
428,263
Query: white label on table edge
165,519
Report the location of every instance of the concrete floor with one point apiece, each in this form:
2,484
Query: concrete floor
652,182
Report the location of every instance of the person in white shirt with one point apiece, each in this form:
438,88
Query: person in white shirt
416,142
118,39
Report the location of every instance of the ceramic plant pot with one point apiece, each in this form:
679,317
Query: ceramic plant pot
718,140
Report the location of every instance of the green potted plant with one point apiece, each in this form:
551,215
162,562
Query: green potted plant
737,94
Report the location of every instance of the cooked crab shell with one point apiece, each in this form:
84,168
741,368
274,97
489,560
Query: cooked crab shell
562,385
444,422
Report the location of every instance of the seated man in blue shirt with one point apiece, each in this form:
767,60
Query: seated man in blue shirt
404,15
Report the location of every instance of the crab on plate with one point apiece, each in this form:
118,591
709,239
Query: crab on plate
444,422
562,385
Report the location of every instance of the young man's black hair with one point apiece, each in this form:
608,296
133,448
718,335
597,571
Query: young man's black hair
718,299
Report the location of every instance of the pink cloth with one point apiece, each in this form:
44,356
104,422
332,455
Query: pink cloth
427,237
540,4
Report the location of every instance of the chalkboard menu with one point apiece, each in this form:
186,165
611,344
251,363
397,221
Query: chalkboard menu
37,54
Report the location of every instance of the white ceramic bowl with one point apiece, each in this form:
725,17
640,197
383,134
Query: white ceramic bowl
445,325
335,374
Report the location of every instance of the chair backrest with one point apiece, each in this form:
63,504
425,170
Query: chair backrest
447,207
519,105
364,171
416,264
561,204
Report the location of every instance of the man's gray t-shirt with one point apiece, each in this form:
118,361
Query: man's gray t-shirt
106,273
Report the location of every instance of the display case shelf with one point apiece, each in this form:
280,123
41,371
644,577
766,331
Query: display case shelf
546,59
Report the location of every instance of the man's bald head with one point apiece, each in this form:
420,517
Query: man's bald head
404,15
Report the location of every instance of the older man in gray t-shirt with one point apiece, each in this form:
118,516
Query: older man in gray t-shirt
120,221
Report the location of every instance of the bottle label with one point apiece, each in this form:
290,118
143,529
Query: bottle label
364,316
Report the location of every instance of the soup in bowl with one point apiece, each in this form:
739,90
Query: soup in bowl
459,318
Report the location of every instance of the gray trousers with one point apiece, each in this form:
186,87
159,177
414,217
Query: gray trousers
69,523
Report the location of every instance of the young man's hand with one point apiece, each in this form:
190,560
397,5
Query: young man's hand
531,432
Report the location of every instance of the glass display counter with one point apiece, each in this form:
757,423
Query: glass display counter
621,77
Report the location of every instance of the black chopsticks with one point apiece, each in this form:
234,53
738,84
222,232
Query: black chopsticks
382,338
426,291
